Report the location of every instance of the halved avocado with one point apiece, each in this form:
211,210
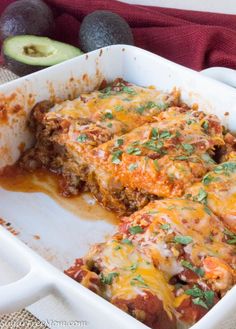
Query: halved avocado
25,54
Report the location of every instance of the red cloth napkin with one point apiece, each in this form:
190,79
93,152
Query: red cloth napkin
194,39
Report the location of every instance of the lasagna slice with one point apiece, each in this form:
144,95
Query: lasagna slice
127,278
66,131
217,190
160,159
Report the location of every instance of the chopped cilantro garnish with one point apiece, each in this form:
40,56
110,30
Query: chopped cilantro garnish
109,278
207,210
154,146
82,138
129,90
190,121
206,157
207,179
181,157
209,297
154,133
119,108
199,271
138,280
188,148
202,298
165,134
133,166
117,248
108,115
201,197
165,226
151,104
205,125
200,302
231,237
183,239
225,168
119,142
116,156
127,241
136,229
133,150
109,125
132,267
140,109
156,164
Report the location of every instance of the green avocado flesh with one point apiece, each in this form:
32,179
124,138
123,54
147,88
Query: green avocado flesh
38,51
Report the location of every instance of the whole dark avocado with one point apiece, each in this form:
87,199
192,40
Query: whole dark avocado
32,17
103,28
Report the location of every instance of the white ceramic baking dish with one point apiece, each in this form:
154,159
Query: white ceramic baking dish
36,269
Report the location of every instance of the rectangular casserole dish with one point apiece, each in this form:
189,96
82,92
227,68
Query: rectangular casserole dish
63,235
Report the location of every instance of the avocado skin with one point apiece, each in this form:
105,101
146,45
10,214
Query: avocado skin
19,68
103,28
26,17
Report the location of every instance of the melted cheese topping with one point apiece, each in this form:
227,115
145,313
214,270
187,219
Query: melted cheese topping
220,187
135,273
183,218
162,158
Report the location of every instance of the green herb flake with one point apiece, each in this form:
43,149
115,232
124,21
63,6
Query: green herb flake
119,108
205,125
156,165
201,197
207,210
181,157
127,241
165,134
82,138
225,168
194,292
136,229
138,280
153,146
109,278
132,267
209,297
165,227
206,157
133,166
201,298
207,179
129,90
117,248
119,142
183,239
133,150
154,133
109,125
199,271
200,302
116,156
188,148
108,115
231,237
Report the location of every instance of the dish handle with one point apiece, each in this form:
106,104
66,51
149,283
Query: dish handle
31,287
24,292
223,74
